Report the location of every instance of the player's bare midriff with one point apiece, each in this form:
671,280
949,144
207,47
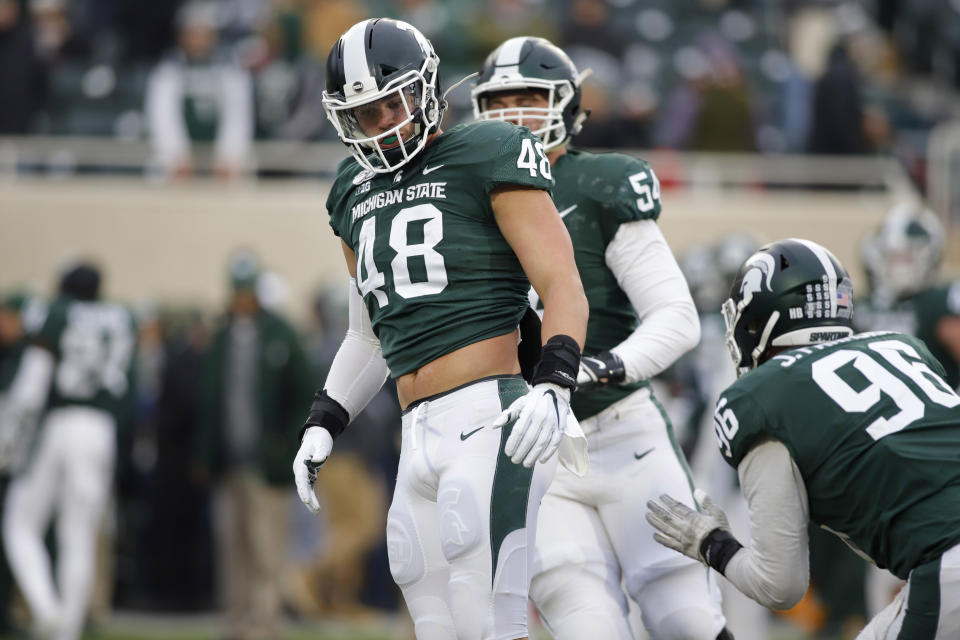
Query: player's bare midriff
490,357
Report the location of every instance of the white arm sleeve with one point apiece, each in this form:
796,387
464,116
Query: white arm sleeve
29,389
164,107
640,259
774,569
358,370
235,131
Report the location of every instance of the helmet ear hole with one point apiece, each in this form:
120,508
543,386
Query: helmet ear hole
754,325
784,262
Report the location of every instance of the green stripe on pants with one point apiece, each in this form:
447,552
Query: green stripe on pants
511,482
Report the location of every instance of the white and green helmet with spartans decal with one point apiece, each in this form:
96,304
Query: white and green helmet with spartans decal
791,292
528,63
376,60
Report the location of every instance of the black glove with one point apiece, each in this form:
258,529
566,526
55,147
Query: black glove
599,370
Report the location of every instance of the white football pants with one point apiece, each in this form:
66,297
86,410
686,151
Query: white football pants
71,473
460,530
592,533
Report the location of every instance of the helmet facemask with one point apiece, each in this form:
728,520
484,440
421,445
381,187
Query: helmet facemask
552,130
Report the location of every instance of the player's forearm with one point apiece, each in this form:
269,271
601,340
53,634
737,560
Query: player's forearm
774,568
565,309
358,369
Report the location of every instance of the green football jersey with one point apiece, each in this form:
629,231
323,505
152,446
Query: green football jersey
93,344
433,268
595,194
875,432
918,315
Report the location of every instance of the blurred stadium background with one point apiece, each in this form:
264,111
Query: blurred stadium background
772,118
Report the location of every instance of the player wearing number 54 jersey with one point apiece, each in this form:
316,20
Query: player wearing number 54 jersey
642,318
858,433
443,234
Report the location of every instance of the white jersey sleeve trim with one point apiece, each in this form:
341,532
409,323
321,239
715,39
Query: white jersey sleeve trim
359,369
774,568
640,259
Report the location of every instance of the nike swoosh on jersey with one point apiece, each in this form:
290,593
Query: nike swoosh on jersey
638,456
464,436
427,170
567,211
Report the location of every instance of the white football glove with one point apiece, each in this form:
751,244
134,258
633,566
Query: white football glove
314,450
682,528
541,416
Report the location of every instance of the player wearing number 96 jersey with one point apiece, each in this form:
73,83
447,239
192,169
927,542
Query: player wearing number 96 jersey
443,233
859,433
78,368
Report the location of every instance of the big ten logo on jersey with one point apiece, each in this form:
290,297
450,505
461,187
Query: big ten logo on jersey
426,190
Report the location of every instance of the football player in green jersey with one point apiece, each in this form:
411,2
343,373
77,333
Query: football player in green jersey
642,319
77,368
901,259
443,234
857,433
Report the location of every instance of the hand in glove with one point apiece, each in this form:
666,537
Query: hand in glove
702,536
599,370
541,416
314,450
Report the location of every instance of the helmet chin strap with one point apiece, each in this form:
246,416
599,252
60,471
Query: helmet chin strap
457,84
764,338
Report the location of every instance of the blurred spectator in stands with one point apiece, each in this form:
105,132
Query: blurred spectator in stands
23,74
589,23
712,109
56,38
325,20
198,95
288,82
255,384
497,20
837,118
146,28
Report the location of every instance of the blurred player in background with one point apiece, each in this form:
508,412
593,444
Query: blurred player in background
901,259
78,368
857,433
443,233
641,320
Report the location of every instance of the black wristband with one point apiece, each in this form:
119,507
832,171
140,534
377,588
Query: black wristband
559,362
718,547
327,413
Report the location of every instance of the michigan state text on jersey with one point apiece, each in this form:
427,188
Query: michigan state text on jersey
433,268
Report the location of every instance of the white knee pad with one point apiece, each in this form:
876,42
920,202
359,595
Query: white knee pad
403,549
575,602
